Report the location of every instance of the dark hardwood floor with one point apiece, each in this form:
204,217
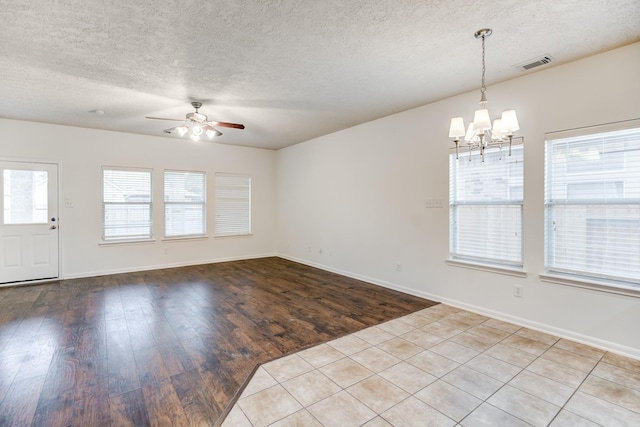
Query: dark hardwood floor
168,347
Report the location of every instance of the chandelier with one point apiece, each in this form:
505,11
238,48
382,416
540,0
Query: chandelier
481,134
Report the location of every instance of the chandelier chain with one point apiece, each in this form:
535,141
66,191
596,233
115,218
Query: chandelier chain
484,88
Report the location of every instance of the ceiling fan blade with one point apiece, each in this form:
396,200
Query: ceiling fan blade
227,125
162,118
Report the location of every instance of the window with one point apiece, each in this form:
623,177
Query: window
126,204
592,203
233,205
184,204
485,208
25,196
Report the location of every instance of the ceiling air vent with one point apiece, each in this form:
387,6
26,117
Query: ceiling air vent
536,62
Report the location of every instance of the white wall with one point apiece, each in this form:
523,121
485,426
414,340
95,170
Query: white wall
81,153
353,201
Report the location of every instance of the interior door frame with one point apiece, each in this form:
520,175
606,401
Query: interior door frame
58,165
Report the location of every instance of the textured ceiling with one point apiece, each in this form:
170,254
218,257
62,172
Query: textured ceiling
289,70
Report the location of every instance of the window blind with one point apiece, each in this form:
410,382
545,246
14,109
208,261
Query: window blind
485,207
592,204
184,204
126,204
233,205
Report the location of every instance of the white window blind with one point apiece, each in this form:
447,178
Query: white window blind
592,203
233,205
184,204
485,207
126,203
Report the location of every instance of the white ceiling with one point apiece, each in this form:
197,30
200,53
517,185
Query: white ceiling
289,70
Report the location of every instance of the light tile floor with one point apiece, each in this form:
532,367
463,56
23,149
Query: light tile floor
443,366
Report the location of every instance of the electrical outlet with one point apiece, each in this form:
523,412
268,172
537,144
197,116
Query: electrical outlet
398,267
517,291
428,203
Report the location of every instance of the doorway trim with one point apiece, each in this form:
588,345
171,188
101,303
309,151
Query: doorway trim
59,166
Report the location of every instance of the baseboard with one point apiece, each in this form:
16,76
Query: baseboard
384,284
162,266
520,321
549,329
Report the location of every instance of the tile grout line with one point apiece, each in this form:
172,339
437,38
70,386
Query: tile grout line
359,381
538,357
532,362
440,377
404,360
507,382
501,387
576,390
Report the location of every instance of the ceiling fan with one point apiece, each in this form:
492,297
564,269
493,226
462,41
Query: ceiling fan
198,124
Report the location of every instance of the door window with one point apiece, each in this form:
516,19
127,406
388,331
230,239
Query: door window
25,197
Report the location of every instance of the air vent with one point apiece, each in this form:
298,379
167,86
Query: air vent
536,62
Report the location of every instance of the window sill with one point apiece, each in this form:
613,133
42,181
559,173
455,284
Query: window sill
509,271
184,238
231,236
125,242
619,288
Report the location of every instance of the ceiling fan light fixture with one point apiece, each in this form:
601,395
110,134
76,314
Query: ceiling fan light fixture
196,130
197,117
211,132
196,124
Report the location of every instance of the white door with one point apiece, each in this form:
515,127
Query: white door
28,221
